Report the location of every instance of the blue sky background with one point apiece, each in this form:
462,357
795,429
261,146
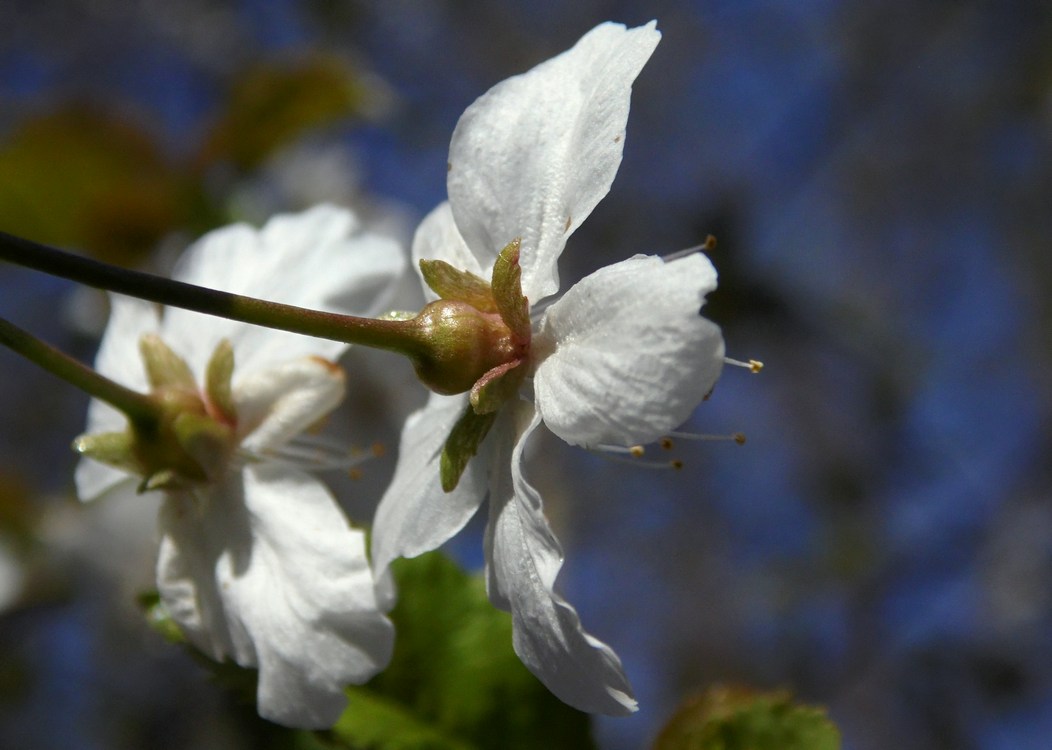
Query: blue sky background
878,177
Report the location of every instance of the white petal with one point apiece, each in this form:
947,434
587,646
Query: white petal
534,155
94,479
632,355
118,356
415,515
437,238
271,575
118,359
316,259
523,560
276,404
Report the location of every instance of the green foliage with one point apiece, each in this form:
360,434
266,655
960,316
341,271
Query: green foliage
454,681
92,178
274,103
83,177
738,719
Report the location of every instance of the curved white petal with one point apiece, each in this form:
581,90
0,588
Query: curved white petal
437,238
523,561
316,259
118,359
94,479
276,404
415,515
631,355
534,155
265,570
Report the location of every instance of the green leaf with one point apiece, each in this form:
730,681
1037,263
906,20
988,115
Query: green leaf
379,723
454,681
274,103
113,193
463,286
728,718
507,292
462,444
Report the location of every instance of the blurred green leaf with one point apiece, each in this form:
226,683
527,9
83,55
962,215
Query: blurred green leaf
273,103
729,718
454,681
86,178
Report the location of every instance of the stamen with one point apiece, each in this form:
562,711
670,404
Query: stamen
636,451
314,453
632,455
753,365
705,247
737,437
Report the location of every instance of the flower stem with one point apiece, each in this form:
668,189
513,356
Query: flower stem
138,407
399,336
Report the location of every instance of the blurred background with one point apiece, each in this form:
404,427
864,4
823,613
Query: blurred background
879,178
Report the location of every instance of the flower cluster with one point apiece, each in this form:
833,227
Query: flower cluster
257,562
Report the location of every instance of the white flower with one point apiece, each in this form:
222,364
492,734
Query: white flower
257,562
622,358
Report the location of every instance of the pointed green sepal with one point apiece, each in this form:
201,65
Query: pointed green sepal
111,448
463,286
513,306
497,386
463,443
164,368
218,375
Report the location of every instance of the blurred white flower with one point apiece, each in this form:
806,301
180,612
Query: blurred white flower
257,562
622,358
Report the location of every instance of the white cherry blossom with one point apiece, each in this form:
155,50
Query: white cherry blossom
258,564
621,358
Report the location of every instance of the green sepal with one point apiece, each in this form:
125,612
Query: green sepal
462,444
218,376
497,386
111,448
513,306
453,284
164,368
